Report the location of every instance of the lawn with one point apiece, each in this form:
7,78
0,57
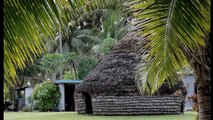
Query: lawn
75,116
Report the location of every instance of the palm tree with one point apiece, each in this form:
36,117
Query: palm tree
177,33
113,27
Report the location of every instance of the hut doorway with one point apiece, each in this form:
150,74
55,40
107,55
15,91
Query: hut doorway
88,103
69,97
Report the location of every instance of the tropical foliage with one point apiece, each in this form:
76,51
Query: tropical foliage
46,95
81,41
29,25
53,62
86,65
69,75
107,44
89,37
114,26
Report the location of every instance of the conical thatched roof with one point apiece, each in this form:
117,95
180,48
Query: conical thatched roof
115,74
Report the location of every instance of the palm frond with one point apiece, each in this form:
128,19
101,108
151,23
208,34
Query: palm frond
23,23
172,26
28,25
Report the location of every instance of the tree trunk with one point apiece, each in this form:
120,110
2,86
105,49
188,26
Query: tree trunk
202,72
74,68
60,50
53,75
204,102
203,92
201,65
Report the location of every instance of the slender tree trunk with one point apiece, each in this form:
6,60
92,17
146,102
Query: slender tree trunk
60,49
203,92
54,76
74,68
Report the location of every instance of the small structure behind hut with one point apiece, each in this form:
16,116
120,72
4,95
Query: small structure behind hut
67,88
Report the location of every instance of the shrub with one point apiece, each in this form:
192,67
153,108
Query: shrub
107,44
46,95
26,109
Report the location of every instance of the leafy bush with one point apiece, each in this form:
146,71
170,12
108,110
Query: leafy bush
107,44
51,62
26,109
46,95
69,75
85,66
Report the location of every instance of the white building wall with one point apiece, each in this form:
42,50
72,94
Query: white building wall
28,93
61,105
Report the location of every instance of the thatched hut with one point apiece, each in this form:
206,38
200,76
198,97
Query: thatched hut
110,89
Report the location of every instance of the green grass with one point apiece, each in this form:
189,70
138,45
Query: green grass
75,116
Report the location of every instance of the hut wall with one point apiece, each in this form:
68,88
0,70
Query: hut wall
79,103
134,105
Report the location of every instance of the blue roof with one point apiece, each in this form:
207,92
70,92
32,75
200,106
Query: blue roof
68,81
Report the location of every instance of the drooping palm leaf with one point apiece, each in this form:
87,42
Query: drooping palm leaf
172,27
29,24
22,23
